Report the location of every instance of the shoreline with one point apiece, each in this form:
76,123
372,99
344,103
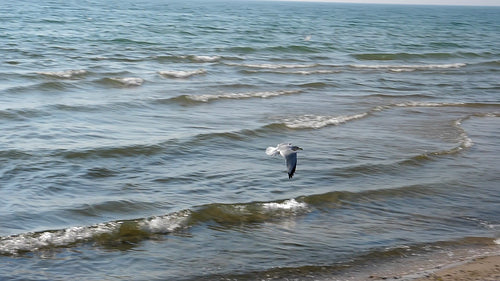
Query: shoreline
473,259
486,268
478,268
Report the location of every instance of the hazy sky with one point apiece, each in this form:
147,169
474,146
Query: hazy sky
425,2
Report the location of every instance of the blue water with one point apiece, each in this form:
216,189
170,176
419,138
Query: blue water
134,135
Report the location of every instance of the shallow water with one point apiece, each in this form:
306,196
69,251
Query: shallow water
133,138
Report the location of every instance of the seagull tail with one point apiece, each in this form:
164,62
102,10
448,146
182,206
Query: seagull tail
272,151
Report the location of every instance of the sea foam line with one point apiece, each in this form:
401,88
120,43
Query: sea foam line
181,73
205,58
264,94
310,121
128,81
290,204
34,241
28,242
409,67
318,121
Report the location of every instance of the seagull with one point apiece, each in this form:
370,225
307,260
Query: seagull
288,151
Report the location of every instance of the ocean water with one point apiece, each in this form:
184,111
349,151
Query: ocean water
133,137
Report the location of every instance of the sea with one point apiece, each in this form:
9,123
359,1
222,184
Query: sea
133,138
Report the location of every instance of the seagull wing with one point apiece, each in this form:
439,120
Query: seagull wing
272,151
291,163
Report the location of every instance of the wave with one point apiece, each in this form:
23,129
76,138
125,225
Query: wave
462,138
133,231
296,72
408,67
196,58
274,66
416,260
315,85
410,104
126,233
192,58
245,95
465,140
325,68
181,74
401,95
310,121
66,74
409,56
318,121
401,56
303,122
21,114
122,81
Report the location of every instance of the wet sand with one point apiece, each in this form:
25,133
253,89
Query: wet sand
478,269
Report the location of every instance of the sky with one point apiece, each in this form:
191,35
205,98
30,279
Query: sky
423,2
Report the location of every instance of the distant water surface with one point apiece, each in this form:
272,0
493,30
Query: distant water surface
133,136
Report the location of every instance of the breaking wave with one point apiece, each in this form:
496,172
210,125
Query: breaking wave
325,68
310,121
181,74
226,216
204,58
244,95
136,230
123,81
296,72
409,56
188,58
411,67
319,121
66,74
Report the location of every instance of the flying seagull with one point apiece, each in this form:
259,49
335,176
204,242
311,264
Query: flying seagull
288,151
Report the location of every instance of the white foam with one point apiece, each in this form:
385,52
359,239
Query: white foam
64,74
276,66
165,224
402,69
206,58
265,94
181,73
415,104
290,204
497,241
35,241
319,71
318,121
408,67
466,141
129,81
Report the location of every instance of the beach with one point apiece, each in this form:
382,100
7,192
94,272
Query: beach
478,269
